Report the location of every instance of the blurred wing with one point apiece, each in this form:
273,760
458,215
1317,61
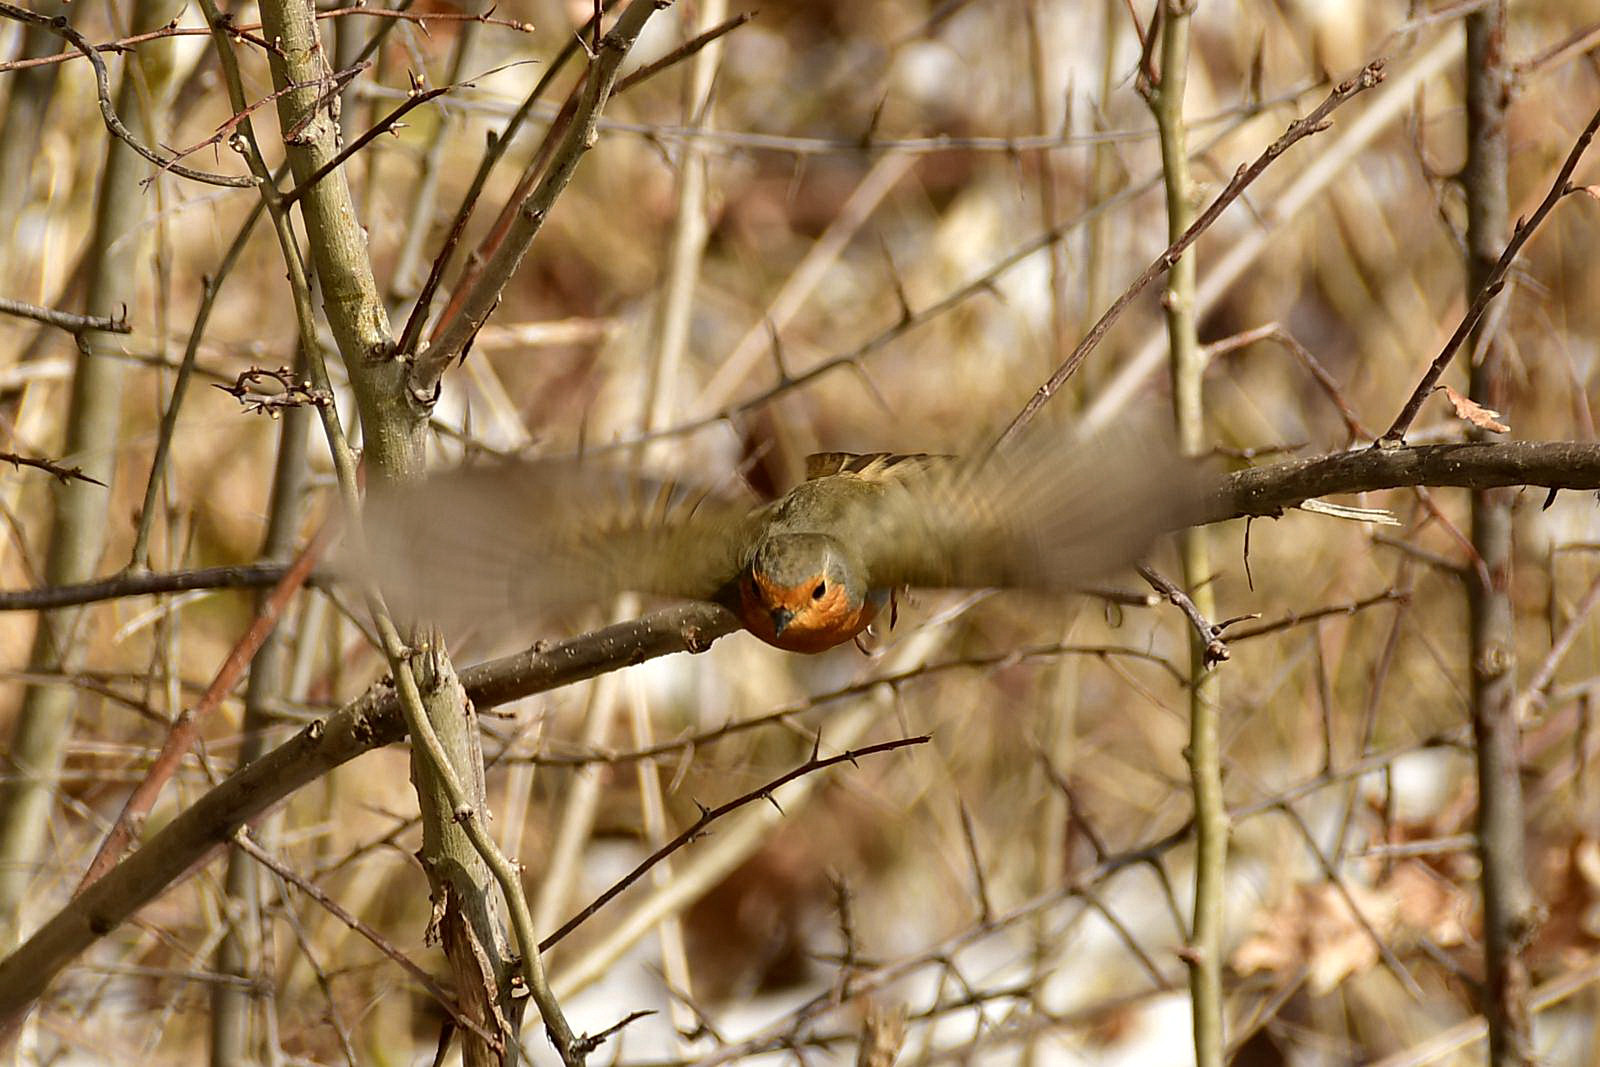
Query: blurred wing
872,466
1046,512
504,543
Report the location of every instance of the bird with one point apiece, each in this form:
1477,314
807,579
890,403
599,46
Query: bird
500,543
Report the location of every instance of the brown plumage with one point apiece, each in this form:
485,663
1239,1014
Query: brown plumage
498,544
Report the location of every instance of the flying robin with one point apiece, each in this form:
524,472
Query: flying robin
498,544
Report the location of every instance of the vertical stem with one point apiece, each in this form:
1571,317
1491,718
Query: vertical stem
230,1004
77,535
1509,911
1102,175
689,230
393,431
461,861
1057,741
1049,214
29,96
674,314
1188,368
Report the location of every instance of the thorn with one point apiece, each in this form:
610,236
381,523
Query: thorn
784,378
1248,577
872,122
906,314
872,387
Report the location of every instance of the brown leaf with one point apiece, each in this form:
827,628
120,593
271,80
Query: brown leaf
1475,413
1314,927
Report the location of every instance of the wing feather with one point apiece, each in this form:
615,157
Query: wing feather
1049,512
873,466
506,543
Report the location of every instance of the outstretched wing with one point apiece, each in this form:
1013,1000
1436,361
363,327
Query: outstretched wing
1047,512
504,543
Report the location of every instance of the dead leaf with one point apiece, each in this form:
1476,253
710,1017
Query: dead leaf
1475,413
1315,928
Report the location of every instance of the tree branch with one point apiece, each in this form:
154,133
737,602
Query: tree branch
1471,465
429,365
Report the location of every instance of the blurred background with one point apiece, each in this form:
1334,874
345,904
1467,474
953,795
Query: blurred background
871,188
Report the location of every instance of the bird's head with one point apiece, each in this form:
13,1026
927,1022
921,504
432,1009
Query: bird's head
803,591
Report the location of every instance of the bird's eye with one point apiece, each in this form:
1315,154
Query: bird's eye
817,593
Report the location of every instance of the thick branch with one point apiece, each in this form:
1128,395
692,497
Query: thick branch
1472,465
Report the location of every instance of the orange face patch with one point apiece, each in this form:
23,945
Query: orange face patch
814,623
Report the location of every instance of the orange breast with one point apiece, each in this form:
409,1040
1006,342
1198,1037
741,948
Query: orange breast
817,624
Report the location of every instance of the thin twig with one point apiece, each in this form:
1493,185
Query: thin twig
710,815
1493,282
181,737
102,80
246,842
58,471
382,126
429,366
1300,618
131,583
1314,122
683,51
1208,632
1545,673
232,122
66,320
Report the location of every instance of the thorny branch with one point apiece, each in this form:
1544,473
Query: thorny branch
710,815
247,31
1314,122
58,471
291,391
428,366
73,324
102,80
1210,633
1493,282
228,125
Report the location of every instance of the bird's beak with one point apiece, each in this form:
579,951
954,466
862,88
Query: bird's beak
780,619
